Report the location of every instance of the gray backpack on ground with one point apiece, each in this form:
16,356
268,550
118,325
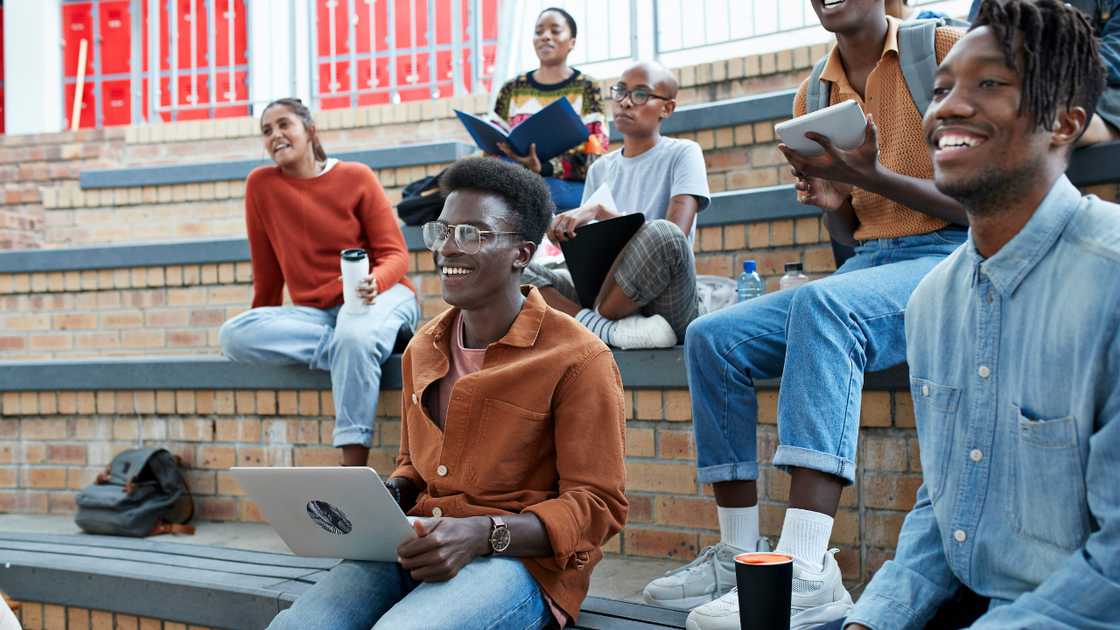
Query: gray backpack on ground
917,55
141,493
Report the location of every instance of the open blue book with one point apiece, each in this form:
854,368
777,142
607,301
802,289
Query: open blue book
554,129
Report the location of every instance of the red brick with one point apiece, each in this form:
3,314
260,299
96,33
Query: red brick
52,429
66,453
39,478
639,442
881,527
657,477
675,444
884,453
875,410
892,492
845,528
287,403
659,543
216,457
216,509
690,512
61,503
678,405
316,456
23,501
641,509
250,512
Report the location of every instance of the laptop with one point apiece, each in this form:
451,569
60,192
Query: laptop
335,512
592,251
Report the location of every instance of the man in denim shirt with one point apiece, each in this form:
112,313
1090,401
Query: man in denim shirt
1013,347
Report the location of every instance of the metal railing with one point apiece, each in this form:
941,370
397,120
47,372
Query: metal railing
379,51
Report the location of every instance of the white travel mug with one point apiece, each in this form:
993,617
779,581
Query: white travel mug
355,268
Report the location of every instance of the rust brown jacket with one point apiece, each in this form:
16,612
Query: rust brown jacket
538,429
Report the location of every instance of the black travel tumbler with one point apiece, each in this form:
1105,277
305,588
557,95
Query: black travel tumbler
765,582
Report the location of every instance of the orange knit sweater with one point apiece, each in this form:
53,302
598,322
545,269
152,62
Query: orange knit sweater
901,145
298,227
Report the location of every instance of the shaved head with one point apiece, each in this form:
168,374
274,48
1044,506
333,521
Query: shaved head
658,77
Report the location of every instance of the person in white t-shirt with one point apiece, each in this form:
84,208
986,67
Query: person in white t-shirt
649,296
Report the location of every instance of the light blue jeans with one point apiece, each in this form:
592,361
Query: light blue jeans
351,347
820,338
488,593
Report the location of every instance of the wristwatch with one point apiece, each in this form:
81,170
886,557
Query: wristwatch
499,535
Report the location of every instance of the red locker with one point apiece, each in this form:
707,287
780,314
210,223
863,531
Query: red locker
239,91
230,13
191,25
341,9
115,37
86,119
489,19
341,85
404,25
116,102
77,24
362,27
1,57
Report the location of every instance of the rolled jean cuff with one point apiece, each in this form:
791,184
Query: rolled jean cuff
348,436
739,471
787,457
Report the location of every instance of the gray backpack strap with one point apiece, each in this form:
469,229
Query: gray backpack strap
819,92
917,55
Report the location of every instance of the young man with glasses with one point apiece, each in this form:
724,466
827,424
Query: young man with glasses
820,337
649,296
511,446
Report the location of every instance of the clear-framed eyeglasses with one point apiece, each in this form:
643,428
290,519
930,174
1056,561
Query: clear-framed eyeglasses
467,238
638,96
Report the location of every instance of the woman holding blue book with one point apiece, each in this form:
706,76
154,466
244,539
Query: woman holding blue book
527,94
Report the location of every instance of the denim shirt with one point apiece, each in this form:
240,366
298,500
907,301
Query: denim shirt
1015,377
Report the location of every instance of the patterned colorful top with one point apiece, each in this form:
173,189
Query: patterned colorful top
523,96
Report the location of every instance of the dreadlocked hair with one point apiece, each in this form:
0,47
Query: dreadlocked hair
1061,67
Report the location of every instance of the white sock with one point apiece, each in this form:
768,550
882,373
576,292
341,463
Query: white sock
738,527
596,323
805,536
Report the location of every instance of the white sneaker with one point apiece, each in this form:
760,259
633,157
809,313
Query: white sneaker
818,598
707,577
639,331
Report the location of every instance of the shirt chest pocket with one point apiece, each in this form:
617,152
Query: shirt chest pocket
508,445
1047,497
936,407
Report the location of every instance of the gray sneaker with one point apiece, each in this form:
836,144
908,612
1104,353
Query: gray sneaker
709,576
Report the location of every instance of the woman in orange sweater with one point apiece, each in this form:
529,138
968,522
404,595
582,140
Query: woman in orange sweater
300,214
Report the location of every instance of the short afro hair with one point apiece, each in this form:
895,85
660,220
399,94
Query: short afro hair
524,192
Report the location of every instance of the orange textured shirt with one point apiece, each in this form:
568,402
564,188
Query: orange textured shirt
539,429
298,227
901,145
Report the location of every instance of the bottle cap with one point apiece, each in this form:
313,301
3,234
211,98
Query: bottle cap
793,266
353,254
749,266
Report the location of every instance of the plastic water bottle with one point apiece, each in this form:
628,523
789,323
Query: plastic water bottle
750,284
793,277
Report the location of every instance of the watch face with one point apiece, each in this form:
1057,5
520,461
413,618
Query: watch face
499,539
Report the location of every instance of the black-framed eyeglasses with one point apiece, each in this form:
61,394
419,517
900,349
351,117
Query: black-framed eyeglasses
638,96
467,238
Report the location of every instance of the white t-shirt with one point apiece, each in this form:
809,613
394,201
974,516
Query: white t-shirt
646,183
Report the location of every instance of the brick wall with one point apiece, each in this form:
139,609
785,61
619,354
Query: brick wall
53,443
39,616
41,204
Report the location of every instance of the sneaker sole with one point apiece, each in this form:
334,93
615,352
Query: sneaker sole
819,615
686,604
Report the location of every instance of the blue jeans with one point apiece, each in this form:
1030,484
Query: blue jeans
352,347
566,194
820,338
488,593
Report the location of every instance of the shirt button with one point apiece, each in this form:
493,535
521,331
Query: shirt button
436,512
958,535
441,470
976,455
415,399
984,371
925,390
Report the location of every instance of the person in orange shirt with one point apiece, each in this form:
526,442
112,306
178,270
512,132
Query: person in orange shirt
512,430
301,213
821,337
